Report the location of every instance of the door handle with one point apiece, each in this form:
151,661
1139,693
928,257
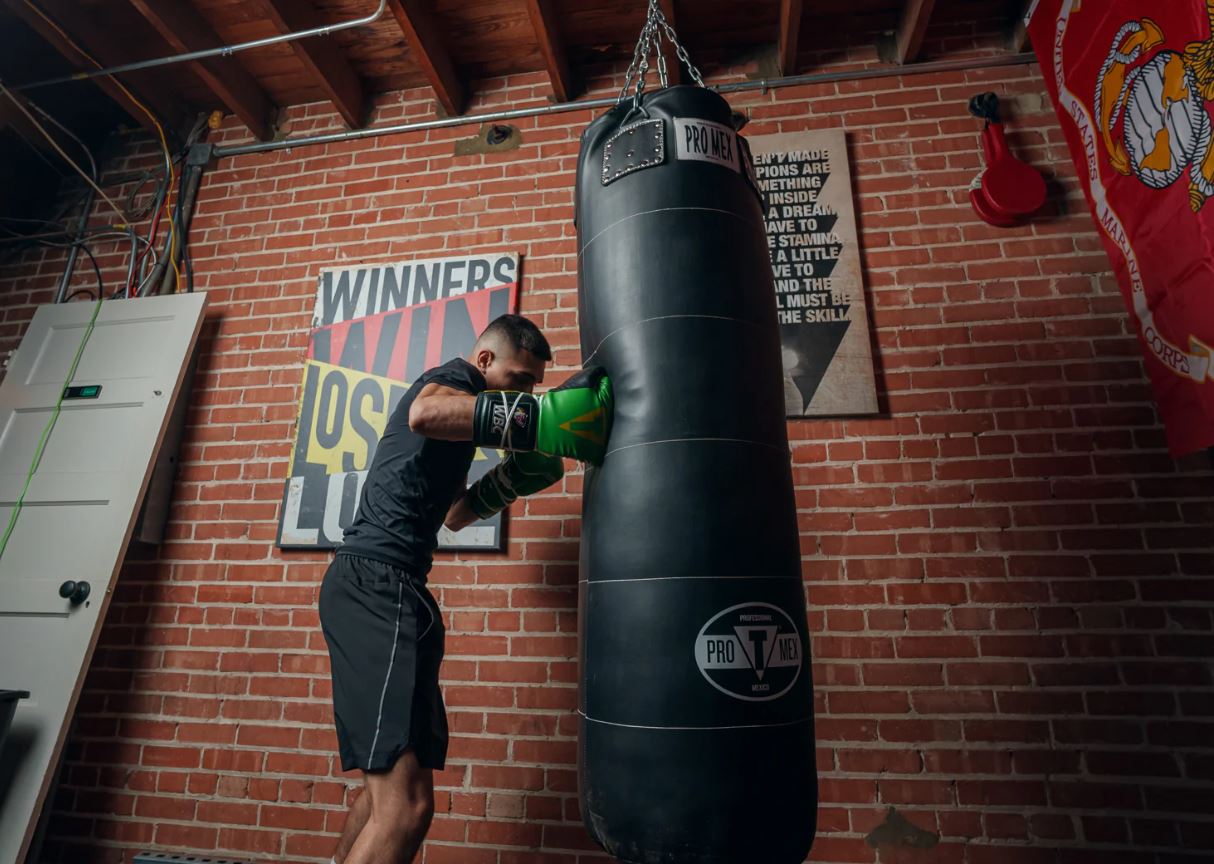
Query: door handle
76,592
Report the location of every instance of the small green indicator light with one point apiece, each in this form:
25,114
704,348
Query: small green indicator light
88,391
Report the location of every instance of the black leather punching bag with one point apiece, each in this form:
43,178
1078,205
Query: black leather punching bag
697,741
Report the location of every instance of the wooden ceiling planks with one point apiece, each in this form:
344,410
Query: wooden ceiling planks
427,38
552,47
906,41
185,30
470,40
488,38
323,59
74,28
790,35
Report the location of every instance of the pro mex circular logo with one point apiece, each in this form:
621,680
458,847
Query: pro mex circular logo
751,651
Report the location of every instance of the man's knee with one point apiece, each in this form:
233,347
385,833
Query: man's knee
406,826
404,796
423,811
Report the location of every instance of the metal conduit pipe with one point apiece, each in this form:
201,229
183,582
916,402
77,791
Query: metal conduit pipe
74,252
222,51
515,114
191,180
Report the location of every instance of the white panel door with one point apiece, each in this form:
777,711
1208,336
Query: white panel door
79,511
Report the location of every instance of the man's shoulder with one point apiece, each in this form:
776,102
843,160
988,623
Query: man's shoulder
457,374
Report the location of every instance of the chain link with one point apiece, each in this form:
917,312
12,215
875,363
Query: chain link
655,30
678,46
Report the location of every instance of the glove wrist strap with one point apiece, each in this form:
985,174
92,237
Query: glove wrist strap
505,419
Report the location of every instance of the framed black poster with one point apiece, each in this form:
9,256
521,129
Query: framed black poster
815,259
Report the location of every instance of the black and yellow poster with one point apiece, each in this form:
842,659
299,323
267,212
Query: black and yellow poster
375,330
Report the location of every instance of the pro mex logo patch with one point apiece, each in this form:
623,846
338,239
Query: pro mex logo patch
751,651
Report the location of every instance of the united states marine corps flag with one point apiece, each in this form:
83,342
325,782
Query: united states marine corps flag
1132,81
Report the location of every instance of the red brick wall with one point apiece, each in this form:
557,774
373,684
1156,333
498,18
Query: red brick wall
1009,579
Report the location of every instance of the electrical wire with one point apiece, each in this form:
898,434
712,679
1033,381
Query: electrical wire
100,234
189,265
168,160
96,234
173,234
163,201
83,247
153,229
69,133
37,151
51,139
130,266
141,181
32,221
181,216
96,270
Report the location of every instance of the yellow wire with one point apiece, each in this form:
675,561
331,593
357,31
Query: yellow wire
173,252
50,138
164,143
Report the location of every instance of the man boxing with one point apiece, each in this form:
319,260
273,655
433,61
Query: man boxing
383,628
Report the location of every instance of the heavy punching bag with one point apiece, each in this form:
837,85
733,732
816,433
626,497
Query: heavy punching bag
697,742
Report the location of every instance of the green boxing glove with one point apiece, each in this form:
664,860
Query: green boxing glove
572,420
519,474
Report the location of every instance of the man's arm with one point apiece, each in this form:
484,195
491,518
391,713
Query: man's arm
571,420
461,514
516,476
443,413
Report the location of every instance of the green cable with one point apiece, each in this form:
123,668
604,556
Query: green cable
46,433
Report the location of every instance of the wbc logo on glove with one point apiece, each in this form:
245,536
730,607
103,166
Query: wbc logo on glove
521,418
499,420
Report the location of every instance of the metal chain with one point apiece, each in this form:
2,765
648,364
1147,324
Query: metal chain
647,40
678,46
655,30
632,67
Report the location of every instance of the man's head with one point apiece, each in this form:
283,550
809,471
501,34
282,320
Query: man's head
511,354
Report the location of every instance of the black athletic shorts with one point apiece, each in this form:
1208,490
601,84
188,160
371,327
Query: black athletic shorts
385,637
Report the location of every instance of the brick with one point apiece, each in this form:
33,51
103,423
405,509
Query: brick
878,762
919,730
1001,793
936,646
869,703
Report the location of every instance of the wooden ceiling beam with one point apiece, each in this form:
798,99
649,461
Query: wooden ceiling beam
321,56
790,34
429,49
1018,32
552,47
106,53
185,30
906,43
12,117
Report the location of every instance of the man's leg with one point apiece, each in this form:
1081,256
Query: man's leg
401,806
360,810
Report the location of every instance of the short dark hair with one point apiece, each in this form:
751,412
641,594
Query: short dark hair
521,333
